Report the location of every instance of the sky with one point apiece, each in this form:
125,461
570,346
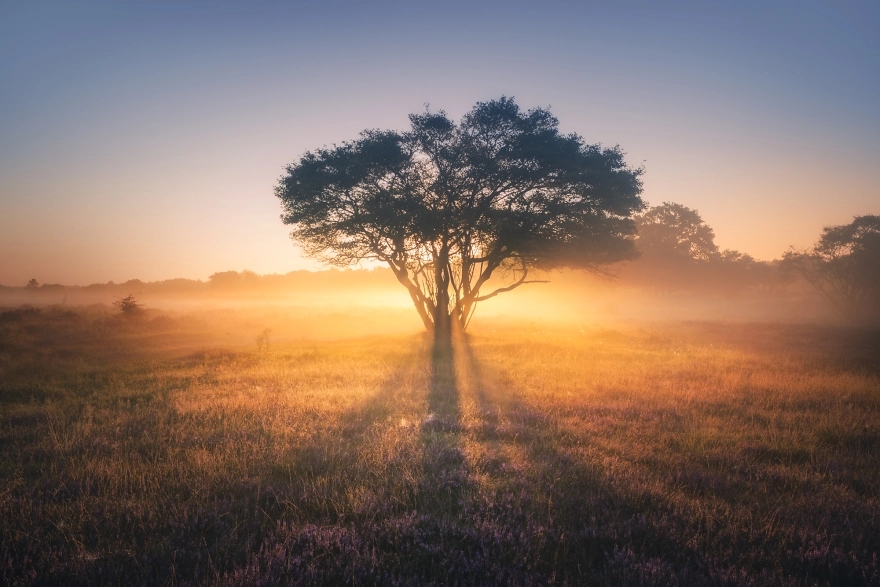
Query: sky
144,140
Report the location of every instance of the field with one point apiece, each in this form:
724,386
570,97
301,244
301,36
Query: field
147,452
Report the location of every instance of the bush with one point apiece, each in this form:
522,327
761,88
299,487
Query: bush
129,306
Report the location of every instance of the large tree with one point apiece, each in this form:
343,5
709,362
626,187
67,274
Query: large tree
844,267
448,205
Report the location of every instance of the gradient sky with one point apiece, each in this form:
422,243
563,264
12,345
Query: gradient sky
144,140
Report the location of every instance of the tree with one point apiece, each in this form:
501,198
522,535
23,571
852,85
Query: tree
448,205
844,267
677,231
33,284
129,306
678,252
675,247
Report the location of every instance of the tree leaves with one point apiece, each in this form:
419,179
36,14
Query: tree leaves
844,267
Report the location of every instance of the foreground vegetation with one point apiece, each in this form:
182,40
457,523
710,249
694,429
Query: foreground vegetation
137,452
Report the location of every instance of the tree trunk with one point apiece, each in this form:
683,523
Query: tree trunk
442,318
442,324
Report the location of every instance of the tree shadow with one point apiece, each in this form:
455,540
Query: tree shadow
324,475
502,493
444,468
417,533
575,524
346,472
598,516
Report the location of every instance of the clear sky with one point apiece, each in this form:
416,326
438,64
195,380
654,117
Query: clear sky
143,140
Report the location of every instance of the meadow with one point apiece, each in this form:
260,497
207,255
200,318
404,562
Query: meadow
167,450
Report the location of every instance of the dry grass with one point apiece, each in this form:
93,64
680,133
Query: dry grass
684,455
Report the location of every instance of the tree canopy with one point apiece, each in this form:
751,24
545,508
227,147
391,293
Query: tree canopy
844,267
675,230
448,204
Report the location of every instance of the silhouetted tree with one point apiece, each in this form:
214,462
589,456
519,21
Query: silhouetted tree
673,230
33,284
678,252
675,247
844,267
129,306
446,205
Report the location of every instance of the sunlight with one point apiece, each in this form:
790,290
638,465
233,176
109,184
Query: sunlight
487,293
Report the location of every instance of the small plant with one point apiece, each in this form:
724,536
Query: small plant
129,306
263,341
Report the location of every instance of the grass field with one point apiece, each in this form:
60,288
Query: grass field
680,454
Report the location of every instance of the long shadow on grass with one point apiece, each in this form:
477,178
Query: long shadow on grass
444,468
563,520
416,536
529,514
323,501
335,489
333,483
526,507
349,472
586,527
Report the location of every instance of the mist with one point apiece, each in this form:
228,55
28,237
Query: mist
350,303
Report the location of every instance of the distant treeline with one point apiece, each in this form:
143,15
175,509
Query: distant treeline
656,273
677,252
677,257
231,282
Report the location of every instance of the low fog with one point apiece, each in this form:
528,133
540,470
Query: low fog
345,303
679,275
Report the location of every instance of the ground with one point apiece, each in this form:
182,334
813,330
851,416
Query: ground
143,452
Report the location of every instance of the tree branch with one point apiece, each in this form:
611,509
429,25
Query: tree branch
508,288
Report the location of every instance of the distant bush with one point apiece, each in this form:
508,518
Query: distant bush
129,306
